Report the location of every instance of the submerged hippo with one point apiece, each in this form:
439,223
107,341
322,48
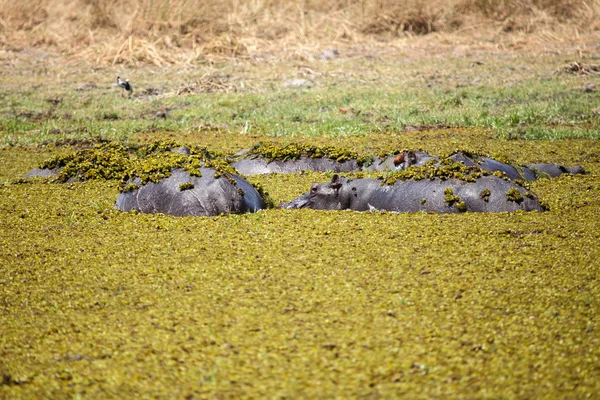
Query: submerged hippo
486,194
184,195
529,172
253,165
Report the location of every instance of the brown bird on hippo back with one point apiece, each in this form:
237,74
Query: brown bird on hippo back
405,160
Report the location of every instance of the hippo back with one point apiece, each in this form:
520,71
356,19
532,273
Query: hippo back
553,170
184,195
487,194
254,166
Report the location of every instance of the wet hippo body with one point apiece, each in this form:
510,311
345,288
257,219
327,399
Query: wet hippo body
255,166
553,170
43,172
491,165
487,194
528,172
184,195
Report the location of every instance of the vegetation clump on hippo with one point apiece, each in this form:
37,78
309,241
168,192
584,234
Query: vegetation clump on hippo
103,161
513,194
115,161
293,151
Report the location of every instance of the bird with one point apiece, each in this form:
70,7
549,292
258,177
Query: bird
125,85
399,161
372,209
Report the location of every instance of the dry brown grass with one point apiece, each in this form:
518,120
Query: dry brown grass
174,31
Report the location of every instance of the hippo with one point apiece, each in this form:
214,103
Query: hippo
552,170
257,165
252,164
486,194
181,194
529,172
43,172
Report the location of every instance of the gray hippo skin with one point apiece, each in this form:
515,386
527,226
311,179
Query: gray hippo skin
43,172
255,166
209,195
553,170
412,196
529,172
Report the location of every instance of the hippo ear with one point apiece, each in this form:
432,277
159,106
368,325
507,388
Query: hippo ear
335,182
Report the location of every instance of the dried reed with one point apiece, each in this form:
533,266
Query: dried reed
174,31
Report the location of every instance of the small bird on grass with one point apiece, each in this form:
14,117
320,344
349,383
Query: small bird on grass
125,85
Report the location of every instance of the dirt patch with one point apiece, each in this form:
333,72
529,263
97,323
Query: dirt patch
213,83
86,87
36,116
577,68
430,127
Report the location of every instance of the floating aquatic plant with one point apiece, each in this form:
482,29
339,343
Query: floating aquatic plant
485,195
186,186
513,194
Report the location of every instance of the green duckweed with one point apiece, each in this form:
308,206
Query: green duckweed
513,194
447,170
186,186
103,161
485,195
449,196
293,151
296,303
130,187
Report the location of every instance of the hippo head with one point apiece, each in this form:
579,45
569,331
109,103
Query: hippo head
325,196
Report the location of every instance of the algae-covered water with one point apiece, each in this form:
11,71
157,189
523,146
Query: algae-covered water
95,303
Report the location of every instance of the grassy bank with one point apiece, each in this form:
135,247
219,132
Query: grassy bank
512,96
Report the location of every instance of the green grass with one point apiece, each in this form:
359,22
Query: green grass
95,303
520,101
